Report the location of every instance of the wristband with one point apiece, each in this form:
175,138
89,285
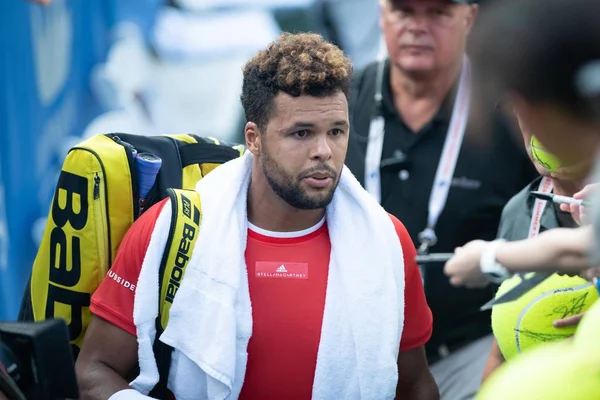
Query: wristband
492,269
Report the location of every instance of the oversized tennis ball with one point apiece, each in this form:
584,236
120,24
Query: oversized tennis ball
543,157
527,322
550,372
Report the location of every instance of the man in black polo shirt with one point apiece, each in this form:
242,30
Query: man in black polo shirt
447,184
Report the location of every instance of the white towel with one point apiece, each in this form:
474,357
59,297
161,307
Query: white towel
210,322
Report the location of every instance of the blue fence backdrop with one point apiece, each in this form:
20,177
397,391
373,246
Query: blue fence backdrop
46,55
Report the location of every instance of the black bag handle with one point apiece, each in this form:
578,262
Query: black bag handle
206,152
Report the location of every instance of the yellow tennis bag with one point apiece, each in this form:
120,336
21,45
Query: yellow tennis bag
103,187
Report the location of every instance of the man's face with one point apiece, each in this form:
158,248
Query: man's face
303,148
423,36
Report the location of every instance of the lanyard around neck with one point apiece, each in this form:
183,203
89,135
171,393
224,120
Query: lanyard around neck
545,186
448,158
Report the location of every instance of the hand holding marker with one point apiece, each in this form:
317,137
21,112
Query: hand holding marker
555,198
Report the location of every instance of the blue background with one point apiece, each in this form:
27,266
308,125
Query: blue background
46,55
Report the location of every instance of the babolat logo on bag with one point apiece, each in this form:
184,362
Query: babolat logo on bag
184,230
67,239
187,235
81,235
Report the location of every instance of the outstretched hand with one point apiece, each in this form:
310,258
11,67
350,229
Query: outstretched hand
464,268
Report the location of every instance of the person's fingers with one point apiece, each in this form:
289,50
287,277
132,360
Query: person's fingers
565,208
582,193
575,212
569,321
586,191
448,268
455,281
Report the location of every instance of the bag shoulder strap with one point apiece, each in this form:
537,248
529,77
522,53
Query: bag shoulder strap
183,233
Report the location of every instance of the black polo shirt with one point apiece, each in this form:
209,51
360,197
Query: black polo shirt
491,168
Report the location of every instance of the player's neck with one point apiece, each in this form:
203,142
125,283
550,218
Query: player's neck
268,211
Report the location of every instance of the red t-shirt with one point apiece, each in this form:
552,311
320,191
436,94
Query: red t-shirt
287,276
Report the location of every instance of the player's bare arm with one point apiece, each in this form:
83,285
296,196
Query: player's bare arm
416,381
108,355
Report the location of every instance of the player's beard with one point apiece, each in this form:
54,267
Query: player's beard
289,188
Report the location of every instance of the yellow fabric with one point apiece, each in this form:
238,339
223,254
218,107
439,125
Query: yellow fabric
183,235
75,252
552,371
192,173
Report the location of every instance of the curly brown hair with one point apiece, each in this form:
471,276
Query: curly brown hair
296,64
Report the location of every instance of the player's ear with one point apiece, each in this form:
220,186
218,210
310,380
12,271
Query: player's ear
252,136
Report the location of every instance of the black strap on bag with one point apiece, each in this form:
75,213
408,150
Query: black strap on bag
205,152
162,354
162,351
